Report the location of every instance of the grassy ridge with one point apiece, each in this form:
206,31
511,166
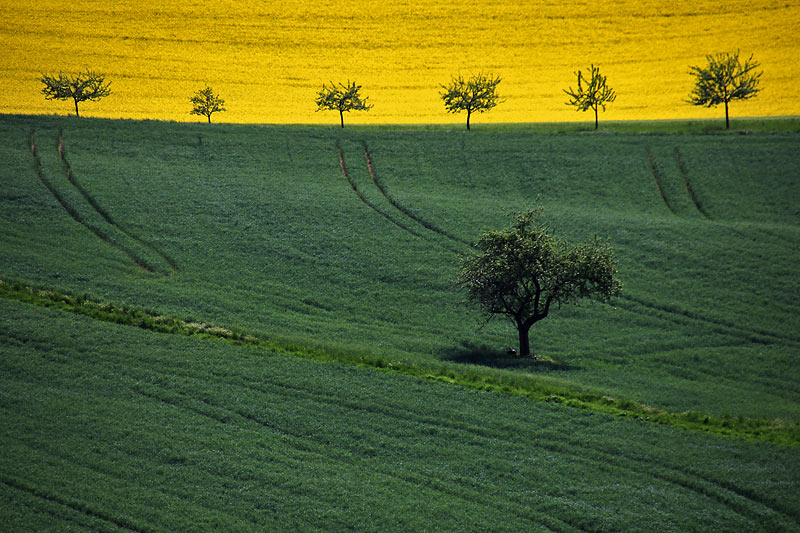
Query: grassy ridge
775,431
109,427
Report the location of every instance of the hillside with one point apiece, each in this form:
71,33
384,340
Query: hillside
346,242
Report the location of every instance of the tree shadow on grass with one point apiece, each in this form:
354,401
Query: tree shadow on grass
476,354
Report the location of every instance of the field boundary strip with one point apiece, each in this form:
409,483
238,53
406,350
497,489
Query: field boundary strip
101,211
770,430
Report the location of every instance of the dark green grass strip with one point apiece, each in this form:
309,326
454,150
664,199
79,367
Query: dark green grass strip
771,430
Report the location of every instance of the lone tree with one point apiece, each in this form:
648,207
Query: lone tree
723,80
522,271
475,95
342,97
206,103
83,86
592,92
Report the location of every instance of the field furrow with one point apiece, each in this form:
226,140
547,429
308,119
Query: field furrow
74,506
369,203
687,184
101,228
102,212
404,210
679,316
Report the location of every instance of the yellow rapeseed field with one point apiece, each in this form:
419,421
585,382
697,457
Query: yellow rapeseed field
268,59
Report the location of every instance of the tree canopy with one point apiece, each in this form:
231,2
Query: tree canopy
523,271
724,79
475,95
342,98
81,87
205,102
592,92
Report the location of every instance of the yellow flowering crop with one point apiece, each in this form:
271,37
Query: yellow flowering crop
268,59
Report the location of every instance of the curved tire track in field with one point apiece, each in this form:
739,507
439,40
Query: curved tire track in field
223,414
659,184
687,184
79,507
366,200
100,234
407,212
722,326
309,445
738,499
102,212
117,478
683,477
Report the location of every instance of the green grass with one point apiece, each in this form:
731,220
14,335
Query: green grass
256,230
109,427
269,238
775,431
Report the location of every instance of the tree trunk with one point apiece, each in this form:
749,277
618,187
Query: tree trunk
209,118
341,118
595,118
727,119
468,114
76,108
524,341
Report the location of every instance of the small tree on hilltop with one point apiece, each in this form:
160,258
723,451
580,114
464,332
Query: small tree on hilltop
592,92
342,98
523,271
83,86
206,103
724,79
475,95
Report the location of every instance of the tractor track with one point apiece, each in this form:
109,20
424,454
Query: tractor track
307,444
688,185
381,211
73,213
686,317
400,207
102,212
78,507
740,500
658,181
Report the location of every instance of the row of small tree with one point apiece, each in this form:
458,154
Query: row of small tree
724,79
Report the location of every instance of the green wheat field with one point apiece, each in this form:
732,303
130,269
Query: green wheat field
244,327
